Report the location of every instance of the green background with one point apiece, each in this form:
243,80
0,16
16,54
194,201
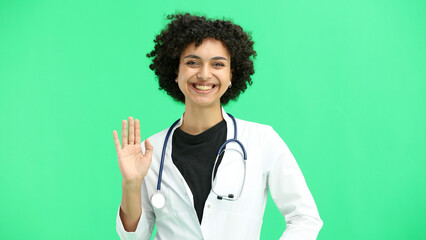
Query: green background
342,82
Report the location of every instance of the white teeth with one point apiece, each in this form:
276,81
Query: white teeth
203,87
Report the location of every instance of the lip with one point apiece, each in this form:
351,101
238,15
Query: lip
203,91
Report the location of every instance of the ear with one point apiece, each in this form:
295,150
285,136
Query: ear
177,74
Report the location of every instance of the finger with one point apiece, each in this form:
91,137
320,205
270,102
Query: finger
124,133
116,141
148,149
131,131
138,132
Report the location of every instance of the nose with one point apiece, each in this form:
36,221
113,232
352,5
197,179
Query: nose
205,73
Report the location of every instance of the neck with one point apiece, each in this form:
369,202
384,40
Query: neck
198,120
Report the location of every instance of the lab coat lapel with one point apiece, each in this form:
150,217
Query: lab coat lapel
174,168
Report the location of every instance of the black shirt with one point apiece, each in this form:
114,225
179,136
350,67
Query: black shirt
194,156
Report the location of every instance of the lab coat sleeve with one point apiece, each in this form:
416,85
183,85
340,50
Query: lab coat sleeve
146,222
289,190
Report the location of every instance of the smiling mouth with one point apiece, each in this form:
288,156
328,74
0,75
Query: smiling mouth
203,87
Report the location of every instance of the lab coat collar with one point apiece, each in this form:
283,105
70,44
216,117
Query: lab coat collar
229,125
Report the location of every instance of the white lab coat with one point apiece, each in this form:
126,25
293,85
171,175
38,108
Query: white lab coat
270,166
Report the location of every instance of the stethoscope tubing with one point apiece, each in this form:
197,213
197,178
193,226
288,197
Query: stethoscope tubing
163,153
232,140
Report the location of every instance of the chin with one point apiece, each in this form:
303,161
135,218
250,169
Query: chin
202,103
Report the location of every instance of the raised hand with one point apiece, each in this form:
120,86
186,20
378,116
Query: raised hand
133,163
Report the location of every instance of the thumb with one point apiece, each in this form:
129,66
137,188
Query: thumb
148,149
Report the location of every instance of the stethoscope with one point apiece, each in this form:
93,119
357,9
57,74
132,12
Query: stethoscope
159,201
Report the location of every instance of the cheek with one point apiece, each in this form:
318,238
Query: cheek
181,86
184,73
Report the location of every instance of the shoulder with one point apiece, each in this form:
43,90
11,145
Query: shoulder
255,128
159,136
263,134
264,140
156,140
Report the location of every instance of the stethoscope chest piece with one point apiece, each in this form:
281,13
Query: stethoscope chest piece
158,200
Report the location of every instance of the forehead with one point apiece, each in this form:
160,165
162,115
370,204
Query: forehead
208,48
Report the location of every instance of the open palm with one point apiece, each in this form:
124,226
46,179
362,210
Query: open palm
133,163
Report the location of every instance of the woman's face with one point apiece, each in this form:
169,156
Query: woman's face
204,73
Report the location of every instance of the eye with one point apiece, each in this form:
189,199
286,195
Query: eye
218,64
191,63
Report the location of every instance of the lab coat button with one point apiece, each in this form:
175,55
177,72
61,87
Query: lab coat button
208,205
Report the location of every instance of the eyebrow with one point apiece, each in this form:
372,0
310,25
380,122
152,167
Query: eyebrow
214,58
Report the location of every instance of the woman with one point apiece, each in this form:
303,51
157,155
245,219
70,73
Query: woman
206,63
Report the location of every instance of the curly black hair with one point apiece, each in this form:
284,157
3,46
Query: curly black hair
185,29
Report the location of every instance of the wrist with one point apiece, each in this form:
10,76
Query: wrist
134,185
